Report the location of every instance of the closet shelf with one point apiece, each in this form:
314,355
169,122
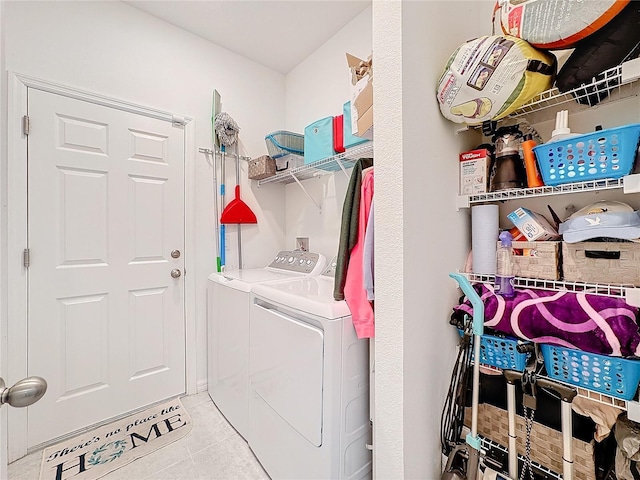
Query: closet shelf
609,82
630,184
629,293
341,161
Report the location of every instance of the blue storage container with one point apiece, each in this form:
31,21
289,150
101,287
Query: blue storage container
613,376
501,353
603,154
318,140
350,140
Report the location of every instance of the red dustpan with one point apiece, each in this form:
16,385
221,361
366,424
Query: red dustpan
237,211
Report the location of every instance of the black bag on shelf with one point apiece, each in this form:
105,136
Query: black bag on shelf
608,47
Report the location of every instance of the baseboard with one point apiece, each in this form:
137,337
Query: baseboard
202,386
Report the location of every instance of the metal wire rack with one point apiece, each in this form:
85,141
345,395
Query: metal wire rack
609,290
488,443
605,85
464,201
341,161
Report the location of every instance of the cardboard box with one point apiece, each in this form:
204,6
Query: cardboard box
533,225
361,92
474,171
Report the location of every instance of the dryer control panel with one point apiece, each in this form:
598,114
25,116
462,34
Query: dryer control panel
298,261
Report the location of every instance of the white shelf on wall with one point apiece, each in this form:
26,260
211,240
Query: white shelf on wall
464,201
341,161
629,293
609,84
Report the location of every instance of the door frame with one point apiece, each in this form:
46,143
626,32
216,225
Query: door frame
15,290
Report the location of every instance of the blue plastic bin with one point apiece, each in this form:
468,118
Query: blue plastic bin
603,154
613,376
501,353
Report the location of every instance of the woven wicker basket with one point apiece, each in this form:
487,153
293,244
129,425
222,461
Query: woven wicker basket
580,262
262,167
537,260
546,443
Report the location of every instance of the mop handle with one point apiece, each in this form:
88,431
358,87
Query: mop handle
478,329
476,302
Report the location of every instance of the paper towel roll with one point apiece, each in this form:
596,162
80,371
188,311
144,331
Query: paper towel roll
484,235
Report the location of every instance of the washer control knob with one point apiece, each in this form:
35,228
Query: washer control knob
309,262
291,259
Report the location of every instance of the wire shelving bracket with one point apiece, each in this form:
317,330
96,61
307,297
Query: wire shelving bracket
322,167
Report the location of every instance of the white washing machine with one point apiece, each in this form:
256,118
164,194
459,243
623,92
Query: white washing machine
309,383
228,309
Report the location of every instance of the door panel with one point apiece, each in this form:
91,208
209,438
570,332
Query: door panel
287,368
106,207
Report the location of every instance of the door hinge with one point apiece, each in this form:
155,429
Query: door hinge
25,125
26,258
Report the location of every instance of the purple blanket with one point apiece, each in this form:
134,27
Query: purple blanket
592,323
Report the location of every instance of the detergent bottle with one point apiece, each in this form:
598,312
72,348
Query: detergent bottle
504,267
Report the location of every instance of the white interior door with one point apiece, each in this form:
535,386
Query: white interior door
106,210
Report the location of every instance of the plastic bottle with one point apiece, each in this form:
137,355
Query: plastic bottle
562,130
504,267
530,164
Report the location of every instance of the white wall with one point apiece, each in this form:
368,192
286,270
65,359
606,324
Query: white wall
3,240
420,237
315,89
115,50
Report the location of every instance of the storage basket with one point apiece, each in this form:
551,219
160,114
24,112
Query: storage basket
262,167
601,262
281,143
536,259
614,376
501,353
603,154
546,443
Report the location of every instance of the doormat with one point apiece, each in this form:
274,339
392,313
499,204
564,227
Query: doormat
105,449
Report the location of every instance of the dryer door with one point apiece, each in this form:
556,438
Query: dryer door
286,365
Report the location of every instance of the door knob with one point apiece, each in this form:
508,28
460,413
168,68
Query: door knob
24,393
175,273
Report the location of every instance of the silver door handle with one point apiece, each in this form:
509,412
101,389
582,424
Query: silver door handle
24,393
175,273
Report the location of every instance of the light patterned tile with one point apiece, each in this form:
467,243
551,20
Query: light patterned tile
190,401
209,427
184,470
229,459
26,468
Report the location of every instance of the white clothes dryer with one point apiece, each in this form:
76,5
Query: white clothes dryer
228,306
309,383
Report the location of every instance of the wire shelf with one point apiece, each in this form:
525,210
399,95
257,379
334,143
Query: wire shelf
609,83
341,161
520,193
487,443
609,290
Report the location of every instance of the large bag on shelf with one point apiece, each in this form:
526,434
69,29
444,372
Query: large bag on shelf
490,77
555,24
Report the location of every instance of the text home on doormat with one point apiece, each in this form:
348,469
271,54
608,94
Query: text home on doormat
111,446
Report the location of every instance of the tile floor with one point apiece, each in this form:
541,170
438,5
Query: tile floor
212,450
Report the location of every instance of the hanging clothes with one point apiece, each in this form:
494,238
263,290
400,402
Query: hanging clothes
354,292
349,225
367,261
